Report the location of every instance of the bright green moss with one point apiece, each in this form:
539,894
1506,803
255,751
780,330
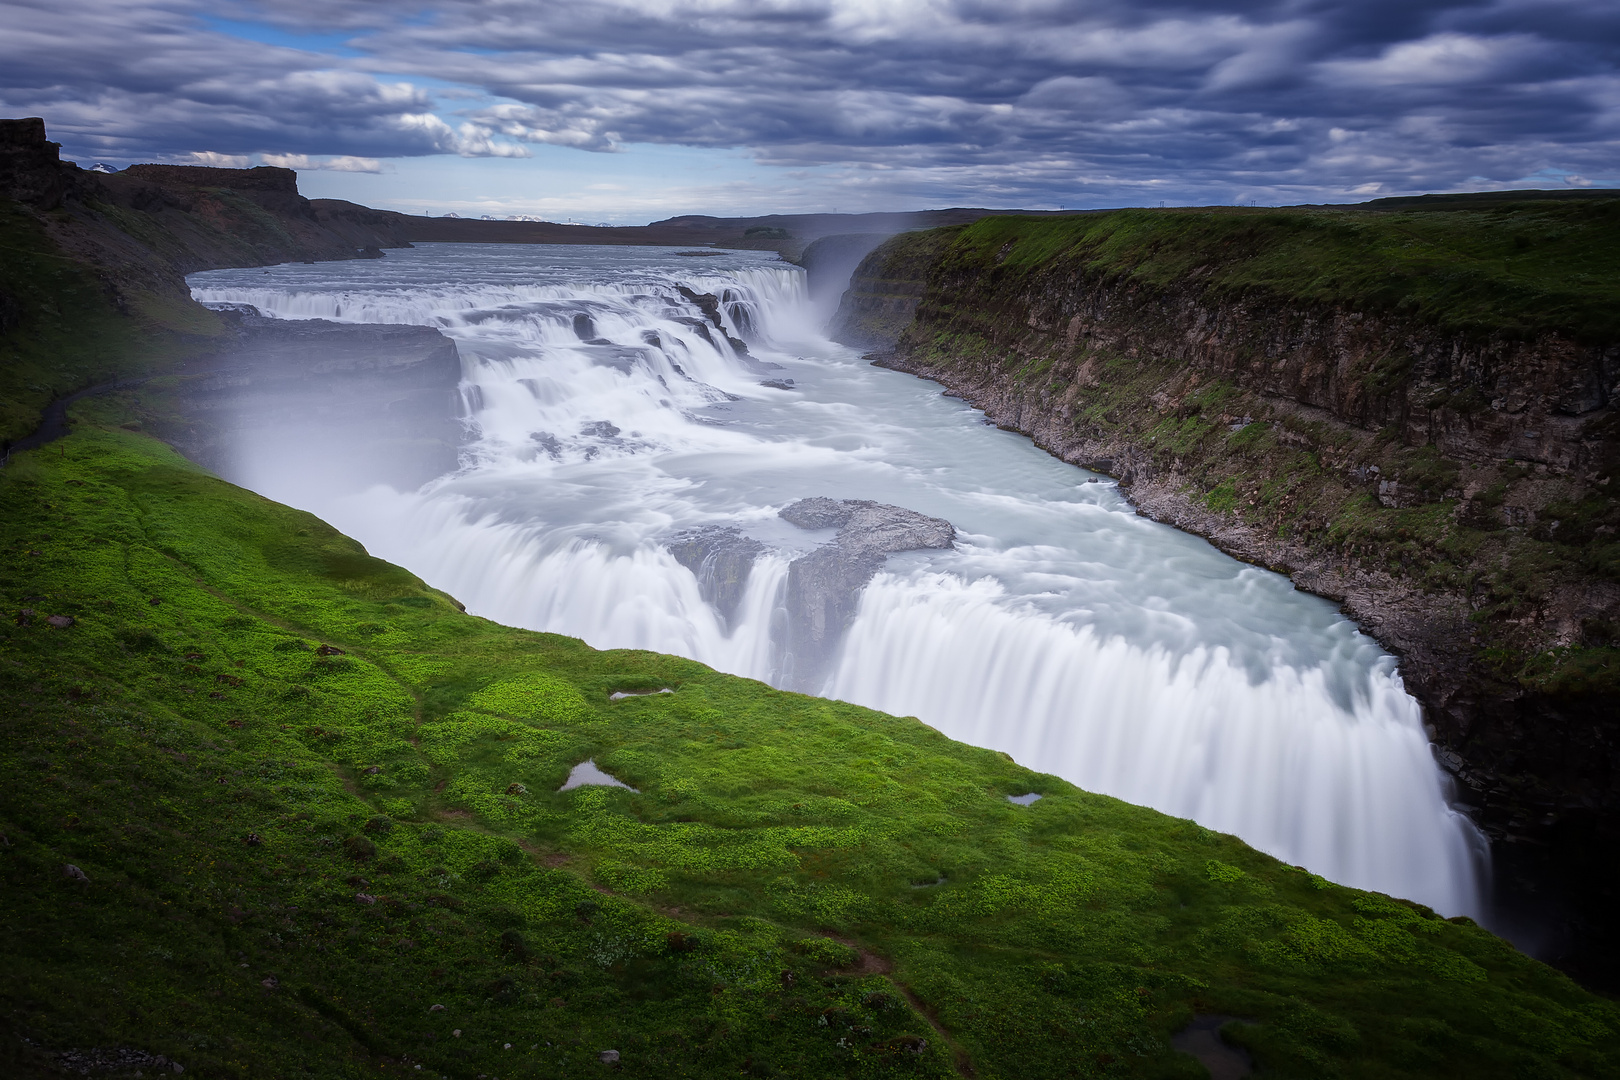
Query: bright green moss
376,825
1516,268
532,697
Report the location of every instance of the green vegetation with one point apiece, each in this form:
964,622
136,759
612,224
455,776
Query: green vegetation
306,801
1516,268
61,330
313,800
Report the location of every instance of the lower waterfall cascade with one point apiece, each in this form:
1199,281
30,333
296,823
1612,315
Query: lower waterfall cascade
618,397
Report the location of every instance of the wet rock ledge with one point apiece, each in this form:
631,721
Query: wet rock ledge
823,587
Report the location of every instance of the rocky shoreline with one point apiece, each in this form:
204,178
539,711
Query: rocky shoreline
1429,631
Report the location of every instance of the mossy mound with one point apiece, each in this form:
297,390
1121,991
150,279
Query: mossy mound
311,801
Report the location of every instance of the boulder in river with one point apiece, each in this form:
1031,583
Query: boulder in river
824,587
721,558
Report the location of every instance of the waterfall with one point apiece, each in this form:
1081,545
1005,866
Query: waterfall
620,396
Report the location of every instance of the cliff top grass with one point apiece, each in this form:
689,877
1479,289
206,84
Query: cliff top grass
310,800
1511,268
60,330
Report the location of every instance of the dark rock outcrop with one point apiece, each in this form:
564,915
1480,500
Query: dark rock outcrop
824,587
721,558
31,169
709,304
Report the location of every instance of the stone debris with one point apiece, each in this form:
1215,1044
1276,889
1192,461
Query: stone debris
61,622
118,1060
73,873
608,1057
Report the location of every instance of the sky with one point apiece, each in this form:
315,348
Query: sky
626,111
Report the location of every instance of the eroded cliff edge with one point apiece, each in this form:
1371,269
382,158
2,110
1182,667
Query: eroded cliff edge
1408,409
92,285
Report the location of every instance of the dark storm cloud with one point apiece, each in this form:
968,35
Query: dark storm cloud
1037,101
134,82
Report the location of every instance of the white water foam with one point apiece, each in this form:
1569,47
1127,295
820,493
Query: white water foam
1085,641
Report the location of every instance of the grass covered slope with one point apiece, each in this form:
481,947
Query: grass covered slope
1519,268
62,330
310,800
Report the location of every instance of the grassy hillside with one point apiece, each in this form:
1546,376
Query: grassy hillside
62,328
306,801
1519,268
311,800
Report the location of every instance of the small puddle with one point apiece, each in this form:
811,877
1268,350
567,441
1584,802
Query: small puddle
586,774
1202,1039
620,695
1023,800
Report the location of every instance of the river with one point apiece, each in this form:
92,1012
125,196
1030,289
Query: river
607,415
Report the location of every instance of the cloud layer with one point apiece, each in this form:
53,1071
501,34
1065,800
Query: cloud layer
1033,102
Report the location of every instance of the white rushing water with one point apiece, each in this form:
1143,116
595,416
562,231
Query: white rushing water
1064,629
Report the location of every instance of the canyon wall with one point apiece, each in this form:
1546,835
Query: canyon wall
1411,413
93,287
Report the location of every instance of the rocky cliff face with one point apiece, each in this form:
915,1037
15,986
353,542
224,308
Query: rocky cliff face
93,287
1452,487
148,226
886,288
